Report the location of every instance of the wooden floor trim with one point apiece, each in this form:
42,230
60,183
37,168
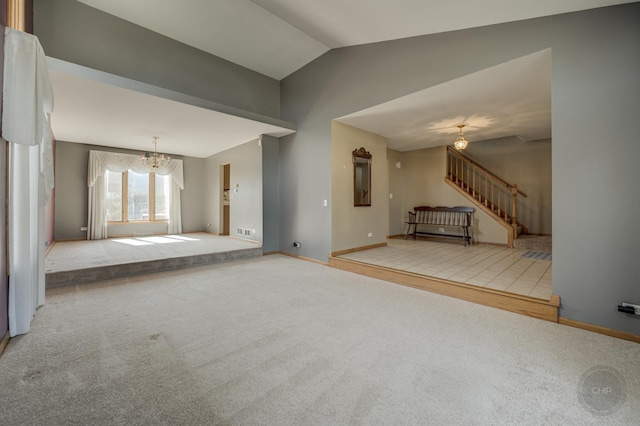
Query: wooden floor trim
48,248
601,330
525,305
4,342
308,259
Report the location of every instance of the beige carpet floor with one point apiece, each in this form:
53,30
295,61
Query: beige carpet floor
280,341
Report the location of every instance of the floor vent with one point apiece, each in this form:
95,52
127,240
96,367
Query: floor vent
142,234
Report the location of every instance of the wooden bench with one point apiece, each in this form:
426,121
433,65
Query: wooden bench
441,216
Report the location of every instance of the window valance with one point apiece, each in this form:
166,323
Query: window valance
101,161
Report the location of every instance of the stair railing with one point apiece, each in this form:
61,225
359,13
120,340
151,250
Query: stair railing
493,192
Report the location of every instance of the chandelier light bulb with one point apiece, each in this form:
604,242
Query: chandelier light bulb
460,143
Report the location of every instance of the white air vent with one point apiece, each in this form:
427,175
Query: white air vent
142,234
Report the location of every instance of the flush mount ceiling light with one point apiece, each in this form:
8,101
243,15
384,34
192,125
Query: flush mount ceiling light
460,143
155,160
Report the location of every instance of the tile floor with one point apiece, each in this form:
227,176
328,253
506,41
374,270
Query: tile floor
493,267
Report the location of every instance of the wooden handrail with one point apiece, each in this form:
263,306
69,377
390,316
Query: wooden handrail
484,171
488,190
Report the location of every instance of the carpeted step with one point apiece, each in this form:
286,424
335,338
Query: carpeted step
534,243
107,272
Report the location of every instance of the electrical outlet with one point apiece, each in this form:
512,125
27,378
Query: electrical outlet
297,244
440,229
83,228
636,308
370,234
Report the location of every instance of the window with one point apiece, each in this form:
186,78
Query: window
138,191
161,197
136,197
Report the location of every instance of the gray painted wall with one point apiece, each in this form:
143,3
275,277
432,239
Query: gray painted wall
192,199
74,32
71,194
71,190
595,95
4,279
245,194
270,194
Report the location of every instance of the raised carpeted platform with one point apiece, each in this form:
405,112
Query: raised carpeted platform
81,262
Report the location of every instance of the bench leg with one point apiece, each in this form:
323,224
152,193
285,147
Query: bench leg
409,231
465,235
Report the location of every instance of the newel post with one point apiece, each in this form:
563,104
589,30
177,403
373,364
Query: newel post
514,210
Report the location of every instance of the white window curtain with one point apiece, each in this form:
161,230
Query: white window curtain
101,161
26,125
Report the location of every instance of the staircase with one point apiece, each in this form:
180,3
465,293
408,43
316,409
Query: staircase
487,191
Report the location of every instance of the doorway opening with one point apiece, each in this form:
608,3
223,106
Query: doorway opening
225,202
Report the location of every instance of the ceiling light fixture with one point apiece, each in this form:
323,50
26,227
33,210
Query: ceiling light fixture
460,143
155,160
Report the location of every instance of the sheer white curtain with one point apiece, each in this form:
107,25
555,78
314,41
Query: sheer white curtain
27,108
101,161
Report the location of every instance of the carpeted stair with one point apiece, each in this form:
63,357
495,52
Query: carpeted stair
533,243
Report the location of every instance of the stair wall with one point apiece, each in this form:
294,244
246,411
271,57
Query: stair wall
527,164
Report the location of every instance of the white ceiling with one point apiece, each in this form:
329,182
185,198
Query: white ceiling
510,99
99,114
277,37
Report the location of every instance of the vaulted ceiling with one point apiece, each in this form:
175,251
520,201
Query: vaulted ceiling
277,37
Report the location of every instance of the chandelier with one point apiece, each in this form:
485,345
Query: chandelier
460,143
155,160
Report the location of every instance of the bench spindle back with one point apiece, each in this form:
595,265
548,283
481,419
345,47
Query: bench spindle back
442,216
